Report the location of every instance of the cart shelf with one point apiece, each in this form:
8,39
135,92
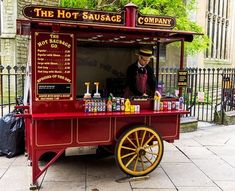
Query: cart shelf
47,116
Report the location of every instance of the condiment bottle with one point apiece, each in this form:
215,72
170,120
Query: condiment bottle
86,106
181,103
157,98
109,104
114,104
127,105
95,109
122,104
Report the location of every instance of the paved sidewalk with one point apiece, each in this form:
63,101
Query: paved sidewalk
200,161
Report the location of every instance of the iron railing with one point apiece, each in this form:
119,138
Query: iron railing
11,87
209,91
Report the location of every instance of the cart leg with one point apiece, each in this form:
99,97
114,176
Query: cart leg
26,154
33,186
29,162
36,171
27,137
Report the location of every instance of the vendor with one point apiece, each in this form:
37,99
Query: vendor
140,77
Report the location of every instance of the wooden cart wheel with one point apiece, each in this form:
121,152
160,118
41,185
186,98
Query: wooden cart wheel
139,150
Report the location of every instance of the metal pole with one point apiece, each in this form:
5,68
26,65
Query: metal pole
181,62
157,62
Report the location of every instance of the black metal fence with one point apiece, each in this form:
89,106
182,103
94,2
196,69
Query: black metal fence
209,91
11,87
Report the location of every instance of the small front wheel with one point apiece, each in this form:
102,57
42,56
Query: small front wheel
139,150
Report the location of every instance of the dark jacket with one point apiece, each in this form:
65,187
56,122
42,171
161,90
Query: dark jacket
131,79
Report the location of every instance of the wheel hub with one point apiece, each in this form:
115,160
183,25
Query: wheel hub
141,152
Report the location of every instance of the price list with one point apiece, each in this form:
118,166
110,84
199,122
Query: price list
54,53
182,78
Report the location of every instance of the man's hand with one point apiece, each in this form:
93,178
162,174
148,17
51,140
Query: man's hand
145,95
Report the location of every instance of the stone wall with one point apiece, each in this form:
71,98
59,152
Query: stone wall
9,16
22,50
8,32
8,51
22,3
46,2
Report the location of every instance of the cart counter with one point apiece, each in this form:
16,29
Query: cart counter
50,116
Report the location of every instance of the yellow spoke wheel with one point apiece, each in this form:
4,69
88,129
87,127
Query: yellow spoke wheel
139,150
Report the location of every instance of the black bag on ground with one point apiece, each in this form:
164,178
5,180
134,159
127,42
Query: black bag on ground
11,135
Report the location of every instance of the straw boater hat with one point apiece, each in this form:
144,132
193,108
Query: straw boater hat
145,52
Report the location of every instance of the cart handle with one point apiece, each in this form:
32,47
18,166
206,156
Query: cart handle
21,107
29,116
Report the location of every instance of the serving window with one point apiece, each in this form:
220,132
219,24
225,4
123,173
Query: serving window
106,65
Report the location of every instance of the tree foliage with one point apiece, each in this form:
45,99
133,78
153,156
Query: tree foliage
174,8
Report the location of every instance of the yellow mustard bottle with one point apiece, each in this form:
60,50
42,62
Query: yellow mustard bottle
127,105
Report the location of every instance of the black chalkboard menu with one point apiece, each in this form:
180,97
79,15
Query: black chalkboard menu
182,78
54,61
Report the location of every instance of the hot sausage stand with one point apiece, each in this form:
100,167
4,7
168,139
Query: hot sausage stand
57,116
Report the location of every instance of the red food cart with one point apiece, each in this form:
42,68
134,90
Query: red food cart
72,46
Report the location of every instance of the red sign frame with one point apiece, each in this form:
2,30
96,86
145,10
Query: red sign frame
54,62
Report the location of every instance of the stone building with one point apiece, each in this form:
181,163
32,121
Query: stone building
217,17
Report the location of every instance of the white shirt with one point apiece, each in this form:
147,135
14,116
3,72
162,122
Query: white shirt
139,65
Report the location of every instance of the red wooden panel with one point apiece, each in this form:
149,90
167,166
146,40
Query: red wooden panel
122,123
54,132
94,130
166,126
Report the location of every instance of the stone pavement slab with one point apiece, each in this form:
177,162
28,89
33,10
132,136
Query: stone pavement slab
102,174
160,189
62,186
6,162
158,180
174,156
15,179
186,175
230,160
216,169
66,170
197,152
226,185
199,188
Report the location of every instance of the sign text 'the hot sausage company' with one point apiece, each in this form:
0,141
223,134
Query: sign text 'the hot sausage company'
95,17
73,15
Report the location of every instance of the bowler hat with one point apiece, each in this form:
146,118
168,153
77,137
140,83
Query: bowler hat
145,52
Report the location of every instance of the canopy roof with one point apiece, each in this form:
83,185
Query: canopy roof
126,28
108,34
